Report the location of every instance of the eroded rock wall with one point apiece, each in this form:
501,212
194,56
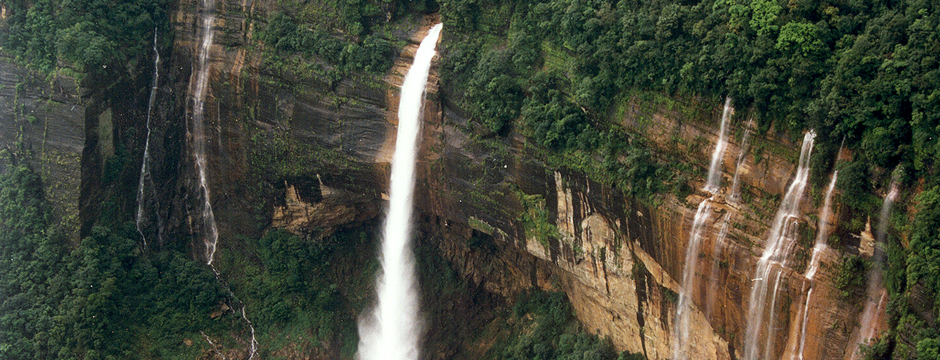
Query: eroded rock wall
498,213
619,259
44,118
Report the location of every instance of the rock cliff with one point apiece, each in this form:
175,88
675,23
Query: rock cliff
45,116
291,149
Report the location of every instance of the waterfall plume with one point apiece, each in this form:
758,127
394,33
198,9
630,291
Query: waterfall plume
391,330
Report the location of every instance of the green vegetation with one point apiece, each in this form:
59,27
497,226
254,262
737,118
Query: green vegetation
864,72
291,290
535,219
99,299
850,281
285,33
912,278
544,327
86,35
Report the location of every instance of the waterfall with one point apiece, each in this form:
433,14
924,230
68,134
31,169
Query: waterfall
681,337
876,295
773,260
716,264
145,162
391,331
198,136
735,185
680,345
199,139
822,229
821,232
714,169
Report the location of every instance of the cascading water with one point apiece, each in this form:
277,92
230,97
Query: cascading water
818,249
823,228
714,168
145,162
735,185
680,344
199,139
198,136
773,260
716,263
876,296
391,331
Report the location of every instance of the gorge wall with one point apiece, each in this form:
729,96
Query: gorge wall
291,148
617,258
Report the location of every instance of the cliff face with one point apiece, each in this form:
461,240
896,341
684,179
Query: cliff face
503,218
618,259
289,149
285,144
45,117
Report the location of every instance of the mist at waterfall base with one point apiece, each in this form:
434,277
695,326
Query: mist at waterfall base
391,330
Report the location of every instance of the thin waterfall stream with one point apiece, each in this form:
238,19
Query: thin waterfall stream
717,250
199,140
876,296
780,242
681,339
145,162
392,329
821,232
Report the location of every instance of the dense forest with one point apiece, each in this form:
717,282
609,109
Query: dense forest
863,74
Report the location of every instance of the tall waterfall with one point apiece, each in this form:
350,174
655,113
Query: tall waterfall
821,232
717,250
876,296
760,318
199,139
686,290
198,136
391,331
145,162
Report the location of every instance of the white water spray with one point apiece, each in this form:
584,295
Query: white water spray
821,232
199,138
145,162
683,308
391,331
773,260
